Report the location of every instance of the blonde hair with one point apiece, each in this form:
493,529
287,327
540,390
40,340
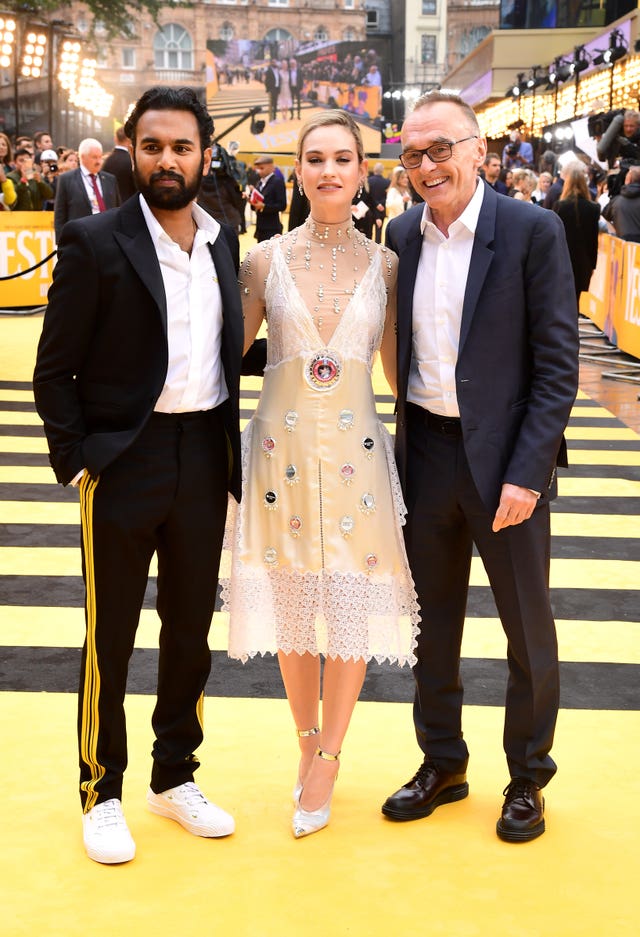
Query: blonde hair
527,178
575,182
396,172
333,118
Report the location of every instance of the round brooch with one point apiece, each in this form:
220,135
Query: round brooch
323,371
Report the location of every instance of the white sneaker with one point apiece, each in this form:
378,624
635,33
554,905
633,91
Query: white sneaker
106,835
188,805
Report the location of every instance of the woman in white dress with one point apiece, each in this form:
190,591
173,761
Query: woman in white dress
319,566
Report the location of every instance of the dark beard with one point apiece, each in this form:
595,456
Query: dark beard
172,200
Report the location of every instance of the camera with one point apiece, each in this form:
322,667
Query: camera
598,123
513,149
53,167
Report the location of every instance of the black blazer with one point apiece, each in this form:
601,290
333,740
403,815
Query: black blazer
118,163
580,218
72,200
103,354
517,368
268,221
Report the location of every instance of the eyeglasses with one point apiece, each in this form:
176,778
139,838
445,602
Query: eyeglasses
437,153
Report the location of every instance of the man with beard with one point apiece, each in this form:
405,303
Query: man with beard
137,382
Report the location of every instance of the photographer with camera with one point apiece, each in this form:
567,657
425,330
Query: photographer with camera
621,138
49,171
220,195
31,189
623,211
517,153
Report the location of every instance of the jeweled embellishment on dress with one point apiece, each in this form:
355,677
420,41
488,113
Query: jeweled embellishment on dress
291,475
270,556
290,420
371,561
368,445
268,445
347,471
323,371
345,419
271,500
295,525
367,503
346,525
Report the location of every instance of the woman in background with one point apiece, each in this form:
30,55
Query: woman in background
398,193
580,216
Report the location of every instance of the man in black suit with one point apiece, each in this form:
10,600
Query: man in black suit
491,171
137,382
487,375
378,186
296,83
87,190
273,198
118,163
272,87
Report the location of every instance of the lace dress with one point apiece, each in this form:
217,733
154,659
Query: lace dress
318,559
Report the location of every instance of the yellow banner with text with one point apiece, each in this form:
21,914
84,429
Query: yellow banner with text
26,238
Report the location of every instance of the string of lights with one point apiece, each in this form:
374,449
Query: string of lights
31,50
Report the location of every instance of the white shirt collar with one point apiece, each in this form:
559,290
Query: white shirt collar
208,227
468,218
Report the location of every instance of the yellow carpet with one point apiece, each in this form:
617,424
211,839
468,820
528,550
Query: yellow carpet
446,875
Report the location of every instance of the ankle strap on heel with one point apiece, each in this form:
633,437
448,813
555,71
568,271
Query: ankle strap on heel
327,756
305,733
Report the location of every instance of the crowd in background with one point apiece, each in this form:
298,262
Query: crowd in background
587,198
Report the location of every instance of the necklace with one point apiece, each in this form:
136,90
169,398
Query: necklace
314,230
327,247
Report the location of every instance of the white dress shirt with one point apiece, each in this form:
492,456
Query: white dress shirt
441,282
91,195
195,376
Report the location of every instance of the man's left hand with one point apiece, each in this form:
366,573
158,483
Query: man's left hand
516,505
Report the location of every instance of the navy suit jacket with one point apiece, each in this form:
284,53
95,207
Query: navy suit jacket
517,367
268,220
103,354
72,200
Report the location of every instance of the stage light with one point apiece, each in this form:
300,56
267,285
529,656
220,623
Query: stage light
617,49
559,71
580,60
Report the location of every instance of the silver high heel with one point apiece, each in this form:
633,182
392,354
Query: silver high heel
310,821
303,734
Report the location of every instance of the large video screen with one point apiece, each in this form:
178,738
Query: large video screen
260,93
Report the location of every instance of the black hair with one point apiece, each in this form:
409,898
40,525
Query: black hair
171,99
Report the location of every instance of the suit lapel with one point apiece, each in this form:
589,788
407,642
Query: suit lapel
481,258
137,246
232,322
82,190
409,257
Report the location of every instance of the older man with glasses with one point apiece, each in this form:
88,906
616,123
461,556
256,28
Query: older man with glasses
487,375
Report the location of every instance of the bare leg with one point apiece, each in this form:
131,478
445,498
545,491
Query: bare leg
342,684
301,678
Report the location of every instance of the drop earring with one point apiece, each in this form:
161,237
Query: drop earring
359,193
300,189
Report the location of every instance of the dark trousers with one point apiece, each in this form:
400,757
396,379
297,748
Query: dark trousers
166,494
295,102
445,518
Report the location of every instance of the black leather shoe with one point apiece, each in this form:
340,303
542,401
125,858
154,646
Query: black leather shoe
522,812
429,788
